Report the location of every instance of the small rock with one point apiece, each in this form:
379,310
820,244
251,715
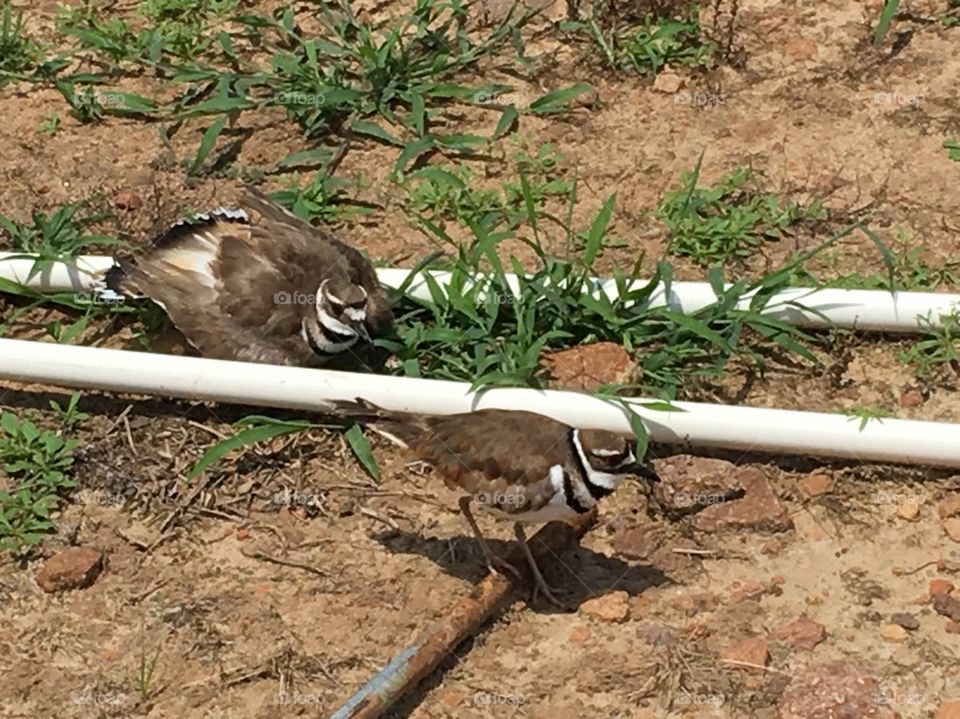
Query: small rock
73,568
905,657
689,483
911,398
587,367
693,604
947,605
760,510
127,200
909,510
656,635
752,651
750,589
814,485
800,48
893,633
611,607
650,543
835,689
949,710
940,586
579,635
949,507
452,698
952,528
905,620
803,633
952,627
667,82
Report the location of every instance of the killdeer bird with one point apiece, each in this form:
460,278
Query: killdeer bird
259,284
516,465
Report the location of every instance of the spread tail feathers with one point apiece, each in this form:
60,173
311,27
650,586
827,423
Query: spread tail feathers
399,427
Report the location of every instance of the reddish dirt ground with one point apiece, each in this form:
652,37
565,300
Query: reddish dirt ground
758,587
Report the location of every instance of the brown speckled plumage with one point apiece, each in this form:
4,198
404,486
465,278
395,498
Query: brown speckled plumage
240,287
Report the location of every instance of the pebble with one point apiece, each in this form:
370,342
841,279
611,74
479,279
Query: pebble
947,605
940,586
949,507
611,607
753,651
911,398
905,620
803,633
909,510
814,485
127,200
73,568
893,633
667,82
949,710
952,528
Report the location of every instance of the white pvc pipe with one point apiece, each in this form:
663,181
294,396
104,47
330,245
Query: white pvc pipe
868,310
84,272
873,310
704,425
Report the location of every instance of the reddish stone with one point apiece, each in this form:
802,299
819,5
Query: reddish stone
949,710
588,367
753,651
949,507
940,586
759,510
73,568
911,398
803,633
814,485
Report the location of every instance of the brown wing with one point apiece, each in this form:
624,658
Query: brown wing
497,452
223,297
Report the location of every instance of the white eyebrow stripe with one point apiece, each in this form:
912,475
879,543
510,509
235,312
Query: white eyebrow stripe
605,452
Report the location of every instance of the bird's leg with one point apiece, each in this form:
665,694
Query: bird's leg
494,563
540,584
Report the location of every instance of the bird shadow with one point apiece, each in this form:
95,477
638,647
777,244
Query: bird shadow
578,572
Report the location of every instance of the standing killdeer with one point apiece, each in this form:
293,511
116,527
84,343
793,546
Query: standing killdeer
517,465
259,284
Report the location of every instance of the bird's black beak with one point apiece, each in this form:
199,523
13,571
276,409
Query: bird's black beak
361,329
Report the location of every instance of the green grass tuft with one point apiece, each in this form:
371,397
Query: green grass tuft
728,221
18,52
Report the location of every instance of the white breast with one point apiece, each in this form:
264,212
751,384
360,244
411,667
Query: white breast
556,510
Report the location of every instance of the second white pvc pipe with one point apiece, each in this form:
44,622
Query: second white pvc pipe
705,425
868,310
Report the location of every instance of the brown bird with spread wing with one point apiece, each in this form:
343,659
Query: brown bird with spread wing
259,284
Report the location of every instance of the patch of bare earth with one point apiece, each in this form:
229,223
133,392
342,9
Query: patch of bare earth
277,584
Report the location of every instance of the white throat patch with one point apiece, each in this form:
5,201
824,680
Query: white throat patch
597,477
330,322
